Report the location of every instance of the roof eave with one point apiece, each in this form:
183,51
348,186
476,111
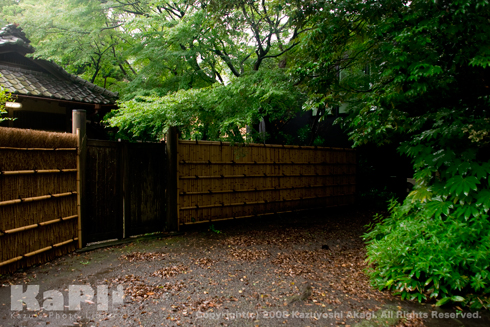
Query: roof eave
18,95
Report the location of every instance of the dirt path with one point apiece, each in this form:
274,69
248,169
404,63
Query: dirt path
295,270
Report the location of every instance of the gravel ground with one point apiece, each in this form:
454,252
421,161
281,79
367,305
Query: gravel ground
291,270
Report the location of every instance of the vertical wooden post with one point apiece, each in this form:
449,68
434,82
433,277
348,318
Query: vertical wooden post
81,155
126,190
172,180
356,178
79,121
79,127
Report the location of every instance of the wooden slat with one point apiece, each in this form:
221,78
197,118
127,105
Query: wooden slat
245,203
20,229
10,261
209,192
65,242
47,248
37,198
30,254
255,176
185,162
257,215
37,171
37,149
250,145
44,223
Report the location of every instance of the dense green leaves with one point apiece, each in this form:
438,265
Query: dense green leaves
432,93
211,70
4,97
184,55
215,112
85,37
432,252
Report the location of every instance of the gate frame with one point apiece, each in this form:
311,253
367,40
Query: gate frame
123,179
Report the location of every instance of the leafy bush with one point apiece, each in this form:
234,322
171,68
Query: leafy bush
4,97
437,244
439,248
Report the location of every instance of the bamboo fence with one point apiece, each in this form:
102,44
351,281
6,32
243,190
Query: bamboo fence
38,197
217,181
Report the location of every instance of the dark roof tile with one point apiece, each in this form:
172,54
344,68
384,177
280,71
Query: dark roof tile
21,81
57,83
13,36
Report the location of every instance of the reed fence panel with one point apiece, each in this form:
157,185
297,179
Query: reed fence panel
217,181
38,197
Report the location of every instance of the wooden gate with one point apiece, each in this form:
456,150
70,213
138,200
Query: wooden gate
103,214
124,190
145,193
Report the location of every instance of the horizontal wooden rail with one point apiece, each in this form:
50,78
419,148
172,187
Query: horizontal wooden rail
263,189
222,205
44,223
38,171
253,163
38,149
37,198
257,215
265,145
260,176
30,254
10,261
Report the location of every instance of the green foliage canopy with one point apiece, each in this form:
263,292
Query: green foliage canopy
88,38
211,68
214,112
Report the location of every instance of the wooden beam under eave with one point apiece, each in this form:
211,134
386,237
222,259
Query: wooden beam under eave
79,103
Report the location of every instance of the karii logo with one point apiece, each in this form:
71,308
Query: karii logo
55,301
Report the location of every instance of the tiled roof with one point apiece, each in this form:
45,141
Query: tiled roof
41,78
34,83
11,35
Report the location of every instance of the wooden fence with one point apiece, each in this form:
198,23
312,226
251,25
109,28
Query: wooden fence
124,191
55,197
38,197
217,181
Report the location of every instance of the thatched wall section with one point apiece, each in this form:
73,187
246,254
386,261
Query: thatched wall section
38,203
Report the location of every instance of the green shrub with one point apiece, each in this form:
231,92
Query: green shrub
4,97
434,249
